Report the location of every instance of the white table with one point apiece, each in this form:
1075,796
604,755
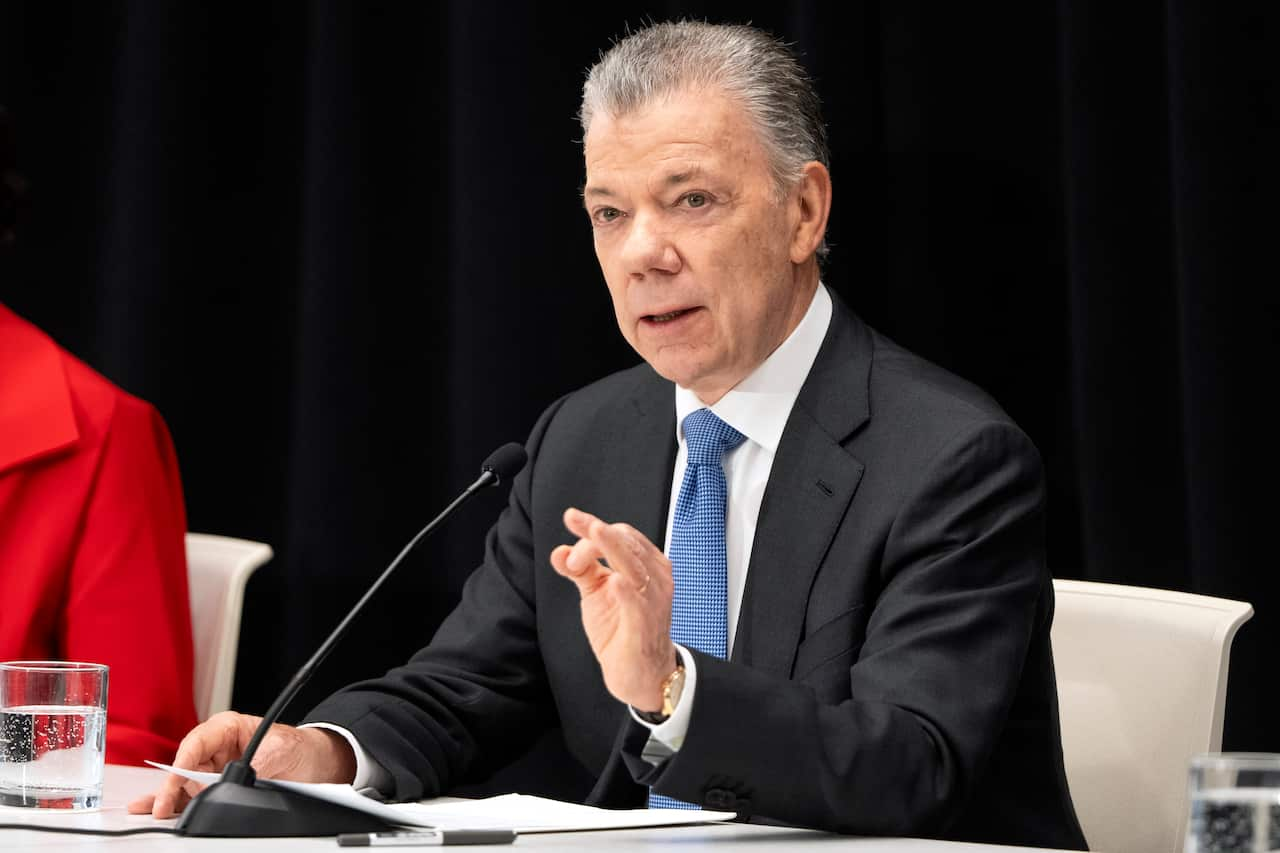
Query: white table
125,783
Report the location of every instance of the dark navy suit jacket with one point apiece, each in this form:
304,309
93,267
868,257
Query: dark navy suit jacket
891,672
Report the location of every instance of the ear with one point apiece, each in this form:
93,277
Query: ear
813,207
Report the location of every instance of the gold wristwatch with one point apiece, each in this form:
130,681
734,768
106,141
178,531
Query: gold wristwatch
672,687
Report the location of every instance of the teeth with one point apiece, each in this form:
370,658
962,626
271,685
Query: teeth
662,318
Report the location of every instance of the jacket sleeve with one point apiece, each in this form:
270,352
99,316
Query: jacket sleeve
478,692
127,604
962,578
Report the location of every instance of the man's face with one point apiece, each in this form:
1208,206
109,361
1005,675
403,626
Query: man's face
692,239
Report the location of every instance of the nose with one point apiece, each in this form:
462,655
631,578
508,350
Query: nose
649,248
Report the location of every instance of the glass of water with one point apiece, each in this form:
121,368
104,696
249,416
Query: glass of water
53,723
1235,803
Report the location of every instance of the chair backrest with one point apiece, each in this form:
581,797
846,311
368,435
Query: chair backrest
1142,681
218,567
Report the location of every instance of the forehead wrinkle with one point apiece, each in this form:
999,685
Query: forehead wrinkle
595,191
684,175
621,150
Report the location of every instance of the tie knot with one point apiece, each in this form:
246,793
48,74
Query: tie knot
707,437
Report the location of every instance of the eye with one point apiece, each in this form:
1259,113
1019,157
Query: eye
695,199
605,215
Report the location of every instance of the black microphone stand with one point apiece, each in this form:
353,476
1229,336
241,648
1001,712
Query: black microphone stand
237,805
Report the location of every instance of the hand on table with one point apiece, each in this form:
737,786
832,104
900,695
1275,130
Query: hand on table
626,605
303,755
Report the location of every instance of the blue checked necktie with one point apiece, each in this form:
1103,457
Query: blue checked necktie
700,603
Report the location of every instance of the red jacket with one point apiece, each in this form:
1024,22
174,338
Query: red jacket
92,561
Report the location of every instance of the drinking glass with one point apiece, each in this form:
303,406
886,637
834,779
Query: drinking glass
1235,803
53,721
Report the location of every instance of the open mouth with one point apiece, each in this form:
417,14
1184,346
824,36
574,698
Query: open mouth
667,317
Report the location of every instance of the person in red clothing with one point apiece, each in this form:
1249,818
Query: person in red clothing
92,561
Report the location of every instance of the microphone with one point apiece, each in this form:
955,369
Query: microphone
235,806
503,463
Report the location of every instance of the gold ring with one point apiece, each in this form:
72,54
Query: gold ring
643,586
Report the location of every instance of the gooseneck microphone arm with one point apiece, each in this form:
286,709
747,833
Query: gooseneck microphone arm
502,464
499,466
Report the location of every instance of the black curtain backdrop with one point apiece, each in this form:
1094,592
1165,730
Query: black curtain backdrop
339,246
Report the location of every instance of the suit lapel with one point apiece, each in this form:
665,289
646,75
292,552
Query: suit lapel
636,488
812,481
37,417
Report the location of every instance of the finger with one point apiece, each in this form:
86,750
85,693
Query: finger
588,581
196,751
626,549
142,805
640,546
185,794
573,567
164,806
656,563
625,554
585,559
180,804
168,796
165,801
560,561
578,522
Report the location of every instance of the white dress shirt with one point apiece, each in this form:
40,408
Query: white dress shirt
758,407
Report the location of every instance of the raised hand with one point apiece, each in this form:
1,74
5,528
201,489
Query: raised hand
625,584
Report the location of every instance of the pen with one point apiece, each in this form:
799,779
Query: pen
416,837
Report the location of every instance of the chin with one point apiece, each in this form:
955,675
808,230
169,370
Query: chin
669,374
685,372
695,382
673,373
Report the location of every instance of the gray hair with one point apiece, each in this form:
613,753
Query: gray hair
747,64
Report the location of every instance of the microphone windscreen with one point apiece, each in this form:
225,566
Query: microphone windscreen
506,461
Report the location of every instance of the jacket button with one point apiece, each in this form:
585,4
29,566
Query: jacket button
719,799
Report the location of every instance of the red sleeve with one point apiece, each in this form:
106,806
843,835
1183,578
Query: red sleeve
127,602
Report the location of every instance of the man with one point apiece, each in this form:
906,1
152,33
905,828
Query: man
856,531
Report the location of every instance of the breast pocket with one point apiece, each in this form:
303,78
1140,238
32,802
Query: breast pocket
827,653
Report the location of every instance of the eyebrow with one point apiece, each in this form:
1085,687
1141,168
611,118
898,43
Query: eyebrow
673,180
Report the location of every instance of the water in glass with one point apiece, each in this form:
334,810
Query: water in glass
51,756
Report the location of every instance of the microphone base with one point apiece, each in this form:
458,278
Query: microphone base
228,810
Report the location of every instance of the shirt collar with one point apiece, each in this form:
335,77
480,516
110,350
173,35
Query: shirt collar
759,405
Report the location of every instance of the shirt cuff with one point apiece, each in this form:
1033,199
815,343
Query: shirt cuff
666,738
372,779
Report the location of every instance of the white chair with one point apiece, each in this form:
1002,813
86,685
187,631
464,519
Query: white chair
1142,681
218,567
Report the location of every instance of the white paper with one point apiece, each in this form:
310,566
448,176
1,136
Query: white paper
201,776
521,812
527,814
343,795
